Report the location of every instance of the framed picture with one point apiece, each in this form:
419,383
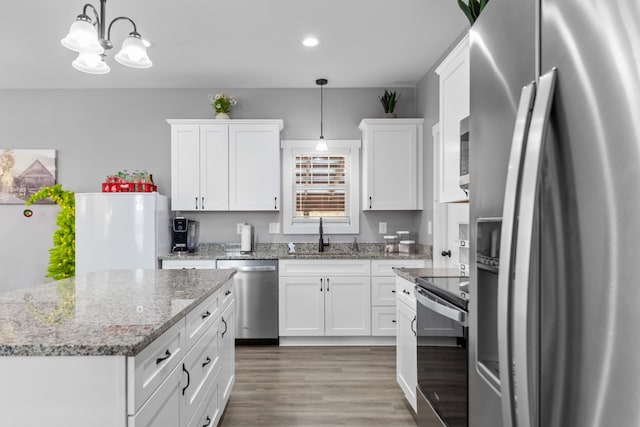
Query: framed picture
24,172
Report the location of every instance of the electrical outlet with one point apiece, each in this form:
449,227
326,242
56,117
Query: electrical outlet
274,227
239,227
382,227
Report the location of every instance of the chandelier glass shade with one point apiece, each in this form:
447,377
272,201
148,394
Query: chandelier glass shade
90,39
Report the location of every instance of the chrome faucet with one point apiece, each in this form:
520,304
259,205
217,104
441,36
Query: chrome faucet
321,243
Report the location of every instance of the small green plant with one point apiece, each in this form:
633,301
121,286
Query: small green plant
472,8
222,103
389,101
62,256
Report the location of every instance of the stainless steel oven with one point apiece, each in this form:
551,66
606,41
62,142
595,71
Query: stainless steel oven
442,349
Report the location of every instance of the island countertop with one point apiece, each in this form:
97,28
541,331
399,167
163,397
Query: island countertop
116,312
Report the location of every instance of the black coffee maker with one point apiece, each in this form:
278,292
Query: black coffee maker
184,234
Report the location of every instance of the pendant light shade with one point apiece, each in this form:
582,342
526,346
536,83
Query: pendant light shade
82,37
322,144
91,63
133,52
91,38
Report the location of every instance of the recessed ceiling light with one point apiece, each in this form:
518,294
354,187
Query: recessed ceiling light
310,42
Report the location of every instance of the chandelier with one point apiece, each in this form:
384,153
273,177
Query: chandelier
89,38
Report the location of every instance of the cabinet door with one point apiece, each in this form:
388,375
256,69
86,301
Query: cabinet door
347,306
391,167
214,167
254,167
165,407
185,167
406,352
227,353
454,106
301,306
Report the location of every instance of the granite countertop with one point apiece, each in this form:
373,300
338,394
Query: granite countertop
215,251
117,312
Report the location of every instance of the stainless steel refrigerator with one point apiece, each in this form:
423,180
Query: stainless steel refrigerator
556,162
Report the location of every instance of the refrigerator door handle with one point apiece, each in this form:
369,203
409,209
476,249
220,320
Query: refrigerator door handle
522,355
507,257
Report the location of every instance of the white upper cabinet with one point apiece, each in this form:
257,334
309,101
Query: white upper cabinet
222,165
392,164
254,167
454,106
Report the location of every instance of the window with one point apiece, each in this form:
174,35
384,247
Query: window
321,184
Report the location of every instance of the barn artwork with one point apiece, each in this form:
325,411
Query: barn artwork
24,172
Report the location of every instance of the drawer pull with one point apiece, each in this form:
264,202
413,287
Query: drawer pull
393,291
206,362
393,321
184,369
225,327
208,422
411,326
207,314
167,355
404,291
226,294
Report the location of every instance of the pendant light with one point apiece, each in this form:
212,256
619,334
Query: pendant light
322,144
90,39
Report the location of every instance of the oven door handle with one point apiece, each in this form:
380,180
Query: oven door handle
441,307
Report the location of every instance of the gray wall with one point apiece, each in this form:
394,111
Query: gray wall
99,132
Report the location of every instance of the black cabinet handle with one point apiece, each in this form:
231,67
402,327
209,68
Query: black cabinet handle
327,284
393,321
184,369
404,291
393,291
321,281
202,203
275,203
225,327
370,202
208,422
207,314
227,293
206,361
446,253
167,355
413,323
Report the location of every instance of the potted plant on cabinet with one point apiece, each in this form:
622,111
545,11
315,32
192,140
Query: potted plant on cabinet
389,101
472,8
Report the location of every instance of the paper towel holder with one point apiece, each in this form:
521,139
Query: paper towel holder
246,239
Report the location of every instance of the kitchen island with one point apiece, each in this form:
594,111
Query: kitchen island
118,348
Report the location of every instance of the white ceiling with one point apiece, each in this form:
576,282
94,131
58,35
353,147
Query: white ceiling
235,43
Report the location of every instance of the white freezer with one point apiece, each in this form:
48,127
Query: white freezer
121,231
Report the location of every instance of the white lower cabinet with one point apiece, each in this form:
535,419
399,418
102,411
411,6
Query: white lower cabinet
189,395
324,298
383,293
406,342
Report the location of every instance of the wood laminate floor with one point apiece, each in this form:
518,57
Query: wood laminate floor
316,386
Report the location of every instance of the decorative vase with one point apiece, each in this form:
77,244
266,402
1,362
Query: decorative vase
222,116
390,115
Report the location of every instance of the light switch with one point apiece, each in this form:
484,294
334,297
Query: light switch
382,227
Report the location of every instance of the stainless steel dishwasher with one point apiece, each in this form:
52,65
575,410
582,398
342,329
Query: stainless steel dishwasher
256,287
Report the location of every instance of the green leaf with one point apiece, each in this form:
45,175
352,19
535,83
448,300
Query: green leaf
466,9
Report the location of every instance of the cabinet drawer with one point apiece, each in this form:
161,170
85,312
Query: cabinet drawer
383,291
202,365
227,294
151,367
405,292
177,264
384,267
383,321
163,405
209,411
201,317
325,267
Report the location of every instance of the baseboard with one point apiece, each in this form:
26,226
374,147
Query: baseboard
337,341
